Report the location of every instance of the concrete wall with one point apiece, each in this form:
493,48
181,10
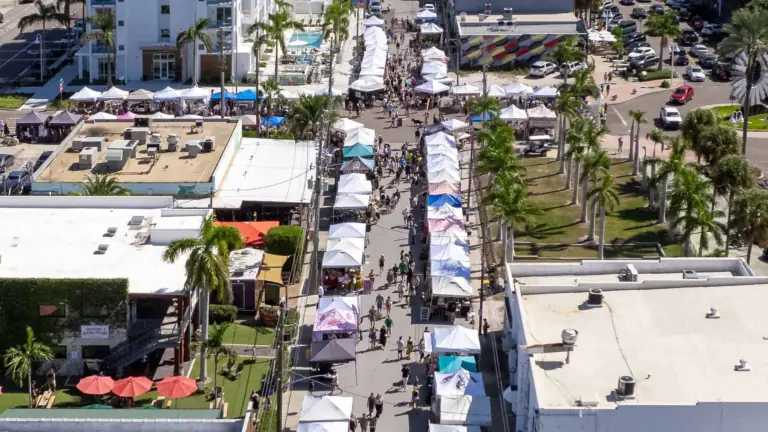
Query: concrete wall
232,146
737,266
202,188
518,6
67,425
86,202
510,50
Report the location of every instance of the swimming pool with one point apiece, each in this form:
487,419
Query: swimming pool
313,39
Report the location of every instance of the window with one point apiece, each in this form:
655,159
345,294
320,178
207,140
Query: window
165,9
165,33
94,311
120,23
95,351
121,47
223,16
54,311
59,351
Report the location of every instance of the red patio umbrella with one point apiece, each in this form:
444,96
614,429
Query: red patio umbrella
176,387
132,386
96,385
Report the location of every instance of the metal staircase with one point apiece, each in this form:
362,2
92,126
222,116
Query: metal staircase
134,349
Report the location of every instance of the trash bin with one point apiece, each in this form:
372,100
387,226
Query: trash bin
399,121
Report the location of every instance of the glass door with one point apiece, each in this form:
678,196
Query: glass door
164,66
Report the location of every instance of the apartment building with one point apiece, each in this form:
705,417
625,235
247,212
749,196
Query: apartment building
145,39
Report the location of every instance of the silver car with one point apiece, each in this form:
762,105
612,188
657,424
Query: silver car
6,161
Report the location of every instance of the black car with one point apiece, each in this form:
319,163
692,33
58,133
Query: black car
708,61
634,37
722,71
41,160
657,8
17,182
690,37
639,13
681,60
627,2
644,62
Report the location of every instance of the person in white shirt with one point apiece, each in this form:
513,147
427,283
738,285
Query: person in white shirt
320,291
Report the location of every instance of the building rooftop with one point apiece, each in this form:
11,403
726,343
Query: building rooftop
170,167
519,24
69,237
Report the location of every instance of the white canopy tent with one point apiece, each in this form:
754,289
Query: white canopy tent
85,95
541,112
440,138
430,29
545,92
454,339
443,149
161,116
362,136
436,158
102,116
352,201
346,125
378,72
345,303
446,175
513,113
434,53
325,409
195,93
440,164
496,91
518,89
167,94
454,124
448,252
335,426
434,67
350,258
374,61
426,14
452,287
444,211
354,184
346,230
366,85
373,21
452,428
324,91
141,95
465,90
459,383
465,410
346,244
113,94
446,237
432,87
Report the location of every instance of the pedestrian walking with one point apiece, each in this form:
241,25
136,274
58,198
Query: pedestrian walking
400,289
379,303
320,291
379,405
412,237
364,420
621,145
388,305
372,423
372,316
415,397
485,328
371,403
382,262
383,337
408,348
390,277
403,270
388,324
421,349
372,338
405,374
352,424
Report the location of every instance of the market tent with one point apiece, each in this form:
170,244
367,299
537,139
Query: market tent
358,150
342,259
450,268
161,116
518,89
273,121
249,120
426,14
444,225
333,351
450,364
195,93
253,232
65,118
362,136
455,339
439,164
32,118
449,251
352,201
444,149
334,92
454,124
357,164
496,91
326,426
450,176
444,188
378,72
443,157
346,230
477,118
541,112
350,303
197,117
113,94
325,409
444,211
347,243
140,95
434,53
440,138
466,410
459,383
434,67
366,85
228,95
354,184
85,95
345,125
459,238
513,113
452,286
102,116
452,428
432,87
126,116
335,320
373,21
465,90
430,29
545,92
246,96
167,94
378,60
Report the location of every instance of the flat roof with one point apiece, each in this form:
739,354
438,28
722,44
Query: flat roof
169,168
560,280
54,242
111,414
659,336
269,171
519,24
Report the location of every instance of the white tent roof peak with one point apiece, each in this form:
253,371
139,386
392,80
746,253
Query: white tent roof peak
346,125
513,113
85,95
113,94
465,89
434,52
455,339
195,93
346,230
352,201
325,409
432,87
496,91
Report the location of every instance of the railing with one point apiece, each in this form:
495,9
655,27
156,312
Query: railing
127,351
219,24
219,2
102,2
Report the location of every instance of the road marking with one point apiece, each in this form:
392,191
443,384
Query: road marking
624,122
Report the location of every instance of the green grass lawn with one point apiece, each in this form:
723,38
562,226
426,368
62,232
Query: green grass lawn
246,335
13,101
758,122
559,223
15,396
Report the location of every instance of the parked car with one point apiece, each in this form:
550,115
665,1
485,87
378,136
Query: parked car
630,38
538,145
657,8
722,71
644,62
572,67
542,68
639,13
6,161
676,50
708,61
682,60
712,29
635,45
699,50
682,95
690,37
643,1
641,52
695,73
627,2
41,159
17,182
429,6
670,118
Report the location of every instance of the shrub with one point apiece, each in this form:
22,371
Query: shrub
283,240
654,75
665,84
222,313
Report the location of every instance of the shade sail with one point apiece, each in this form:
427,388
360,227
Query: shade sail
85,95
366,85
102,116
444,211
246,96
373,21
430,29
450,268
352,201
452,428
325,426
518,89
452,287
440,138
358,150
325,409
465,410
450,364
362,136
167,94
252,232
455,339
335,320
354,184
513,113
346,230
228,95
541,112
439,200
345,125
449,251
434,53
432,87
141,95
545,92
272,269
342,259
444,188
357,164
426,14
195,93
65,118
459,383
113,94
333,351
444,225
496,91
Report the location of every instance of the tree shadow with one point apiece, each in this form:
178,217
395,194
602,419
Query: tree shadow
637,214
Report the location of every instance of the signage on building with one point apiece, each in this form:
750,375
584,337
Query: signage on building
94,332
501,29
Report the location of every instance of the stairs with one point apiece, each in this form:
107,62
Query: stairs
133,350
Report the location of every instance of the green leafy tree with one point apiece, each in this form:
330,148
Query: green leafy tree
567,107
214,346
42,14
638,118
207,269
663,26
750,218
717,142
103,185
596,162
694,125
106,24
670,168
271,90
689,205
309,113
731,175
568,51
747,34
510,206
190,37
605,198
19,361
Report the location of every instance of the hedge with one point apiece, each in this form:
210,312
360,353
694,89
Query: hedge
222,313
284,240
655,75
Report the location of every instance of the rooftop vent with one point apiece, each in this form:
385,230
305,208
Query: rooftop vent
626,387
463,16
136,221
713,313
595,298
111,231
588,400
569,336
628,274
507,13
487,10
743,366
690,274
481,17
102,249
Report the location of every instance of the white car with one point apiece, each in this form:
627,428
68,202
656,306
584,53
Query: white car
698,50
670,118
542,69
430,7
642,51
572,67
711,29
695,73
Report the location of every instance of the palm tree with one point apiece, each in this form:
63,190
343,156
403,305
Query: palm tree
336,30
595,163
191,36
19,360
663,26
103,185
567,51
604,195
731,174
689,204
748,35
482,105
276,25
669,169
716,142
207,269
577,150
65,8
652,163
43,14
694,125
106,24
583,84
271,90
309,113
750,220
638,118
260,39
215,346
497,155
510,206
567,106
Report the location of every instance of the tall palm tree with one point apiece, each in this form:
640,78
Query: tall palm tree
510,206
716,142
309,113
215,347
652,163
567,107
694,125
689,206
19,360
577,150
103,185
595,163
638,118
191,36
663,26
106,24
750,219
583,84
669,169
748,35
567,51
65,8
605,197
271,90
207,269
260,39
731,174
482,105
276,25
335,30
497,155
43,14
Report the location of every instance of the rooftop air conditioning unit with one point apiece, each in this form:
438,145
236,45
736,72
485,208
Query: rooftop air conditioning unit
626,387
628,274
481,17
690,274
209,144
194,148
507,13
487,10
463,16
87,158
102,249
111,231
173,142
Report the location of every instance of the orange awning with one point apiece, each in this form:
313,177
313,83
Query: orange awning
272,269
253,232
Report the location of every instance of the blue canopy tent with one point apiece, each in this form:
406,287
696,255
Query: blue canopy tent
478,118
247,96
450,268
227,96
450,364
438,200
358,150
273,121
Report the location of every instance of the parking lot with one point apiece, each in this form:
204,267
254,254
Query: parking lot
25,156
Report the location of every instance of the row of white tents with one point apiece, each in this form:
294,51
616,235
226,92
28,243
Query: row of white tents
374,58
495,90
346,246
87,94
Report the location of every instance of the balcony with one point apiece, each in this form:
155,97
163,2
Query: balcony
97,48
103,2
220,24
220,2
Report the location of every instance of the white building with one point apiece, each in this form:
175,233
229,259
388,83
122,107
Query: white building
145,39
649,354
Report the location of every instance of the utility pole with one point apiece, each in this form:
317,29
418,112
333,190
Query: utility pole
221,67
279,369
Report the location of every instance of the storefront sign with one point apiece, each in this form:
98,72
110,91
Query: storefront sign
94,332
500,29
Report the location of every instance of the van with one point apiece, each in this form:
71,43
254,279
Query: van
628,27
